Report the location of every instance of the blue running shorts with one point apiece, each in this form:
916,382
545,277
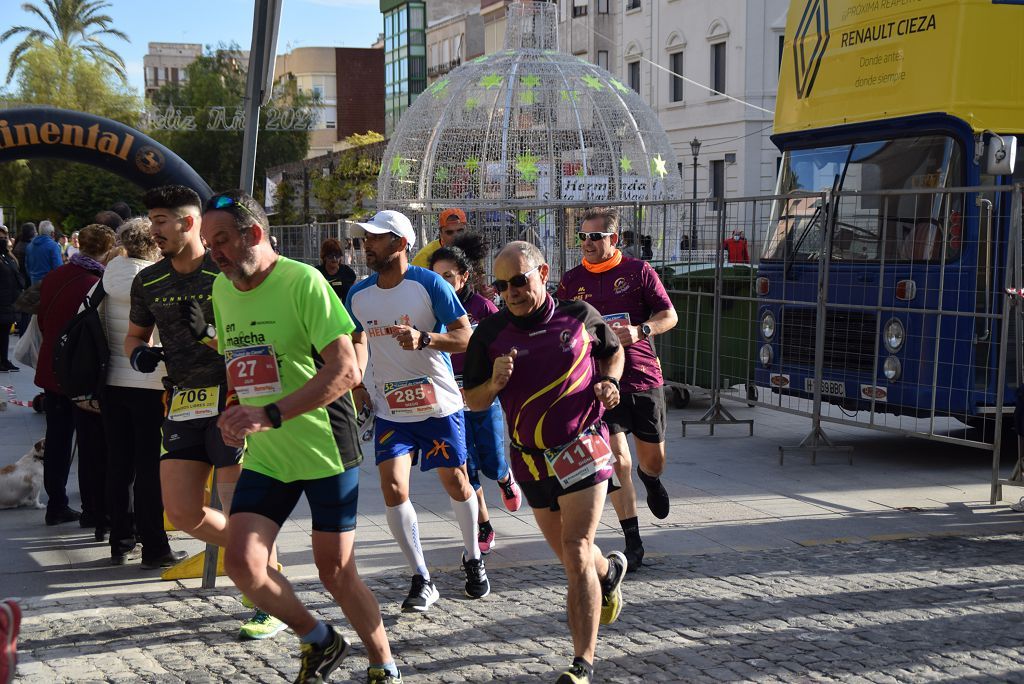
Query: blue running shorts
440,442
332,500
485,444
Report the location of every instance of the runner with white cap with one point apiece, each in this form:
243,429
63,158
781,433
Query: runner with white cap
408,319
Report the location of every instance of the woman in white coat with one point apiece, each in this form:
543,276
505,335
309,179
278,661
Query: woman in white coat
133,411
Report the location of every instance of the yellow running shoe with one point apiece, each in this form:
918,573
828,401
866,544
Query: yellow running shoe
261,626
611,588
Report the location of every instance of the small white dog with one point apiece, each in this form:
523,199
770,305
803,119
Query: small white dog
21,482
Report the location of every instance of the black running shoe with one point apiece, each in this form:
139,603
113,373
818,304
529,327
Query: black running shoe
422,595
318,663
477,585
634,557
576,674
657,497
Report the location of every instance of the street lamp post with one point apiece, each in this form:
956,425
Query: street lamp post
695,148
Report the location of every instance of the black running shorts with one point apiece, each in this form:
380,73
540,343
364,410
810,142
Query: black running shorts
642,413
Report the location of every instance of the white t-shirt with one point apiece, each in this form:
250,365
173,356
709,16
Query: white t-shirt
407,386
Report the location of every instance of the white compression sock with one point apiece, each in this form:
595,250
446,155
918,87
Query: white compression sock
465,513
406,531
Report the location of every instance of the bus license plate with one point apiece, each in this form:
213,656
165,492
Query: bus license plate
829,388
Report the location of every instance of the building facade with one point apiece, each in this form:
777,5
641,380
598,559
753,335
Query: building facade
168,63
723,47
729,46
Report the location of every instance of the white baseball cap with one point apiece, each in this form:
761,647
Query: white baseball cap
386,222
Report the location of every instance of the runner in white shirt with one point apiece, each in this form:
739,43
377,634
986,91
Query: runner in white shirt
406,319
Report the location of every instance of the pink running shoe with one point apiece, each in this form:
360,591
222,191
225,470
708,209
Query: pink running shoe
511,494
10,623
485,538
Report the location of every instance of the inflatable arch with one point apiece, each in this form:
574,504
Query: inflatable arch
48,132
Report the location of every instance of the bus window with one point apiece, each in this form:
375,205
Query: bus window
869,226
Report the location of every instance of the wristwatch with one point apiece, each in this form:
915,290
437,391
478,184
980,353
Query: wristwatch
424,340
645,331
274,414
609,378
210,332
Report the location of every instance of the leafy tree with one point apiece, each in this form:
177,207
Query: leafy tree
214,89
353,180
73,81
286,213
68,194
72,27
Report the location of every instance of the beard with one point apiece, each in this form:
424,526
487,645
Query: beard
381,264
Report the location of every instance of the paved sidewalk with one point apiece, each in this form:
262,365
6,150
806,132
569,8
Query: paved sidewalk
893,569
907,611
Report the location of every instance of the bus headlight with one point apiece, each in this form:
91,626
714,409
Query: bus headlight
765,354
767,325
893,335
892,368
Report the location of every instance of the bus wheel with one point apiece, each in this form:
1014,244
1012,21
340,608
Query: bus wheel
680,397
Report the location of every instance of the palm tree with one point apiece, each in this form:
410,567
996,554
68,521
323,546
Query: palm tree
74,25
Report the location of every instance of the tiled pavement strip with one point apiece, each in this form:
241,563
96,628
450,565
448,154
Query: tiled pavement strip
894,569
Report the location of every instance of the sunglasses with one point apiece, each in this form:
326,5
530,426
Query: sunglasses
594,237
515,281
227,203
332,255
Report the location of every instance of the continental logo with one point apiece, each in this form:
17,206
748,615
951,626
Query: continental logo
68,135
809,43
149,160
246,339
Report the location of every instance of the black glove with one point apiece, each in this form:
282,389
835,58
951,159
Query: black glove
145,359
197,325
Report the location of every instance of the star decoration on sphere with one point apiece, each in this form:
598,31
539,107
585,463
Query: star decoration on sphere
530,81
491,81
441,174
579,171
472,102
526,166
527,97
399,167
472,164
625,164
438,87
658,166
593,82
618,85
570,95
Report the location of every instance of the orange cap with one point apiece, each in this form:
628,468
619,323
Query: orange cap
448,214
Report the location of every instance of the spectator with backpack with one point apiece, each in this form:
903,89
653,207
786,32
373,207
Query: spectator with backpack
62,293
133,414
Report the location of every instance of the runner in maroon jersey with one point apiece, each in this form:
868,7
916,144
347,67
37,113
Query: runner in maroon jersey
571,363
631,298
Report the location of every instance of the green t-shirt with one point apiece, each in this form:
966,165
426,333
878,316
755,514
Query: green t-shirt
270,337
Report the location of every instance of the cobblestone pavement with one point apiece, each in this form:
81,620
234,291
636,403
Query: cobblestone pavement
937,608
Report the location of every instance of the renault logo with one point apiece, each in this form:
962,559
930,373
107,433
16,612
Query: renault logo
809,45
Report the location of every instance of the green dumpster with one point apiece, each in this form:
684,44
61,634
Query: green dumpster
686,351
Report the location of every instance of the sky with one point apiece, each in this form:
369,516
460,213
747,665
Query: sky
304,23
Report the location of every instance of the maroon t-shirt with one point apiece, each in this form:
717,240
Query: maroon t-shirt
631,288
478,308
549,400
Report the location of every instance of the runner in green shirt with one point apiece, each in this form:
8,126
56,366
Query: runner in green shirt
289,357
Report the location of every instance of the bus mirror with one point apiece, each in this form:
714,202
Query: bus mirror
1001,155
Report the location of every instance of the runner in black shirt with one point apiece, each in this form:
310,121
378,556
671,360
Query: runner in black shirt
165,296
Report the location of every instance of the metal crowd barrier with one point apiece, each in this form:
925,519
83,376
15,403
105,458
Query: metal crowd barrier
830,350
